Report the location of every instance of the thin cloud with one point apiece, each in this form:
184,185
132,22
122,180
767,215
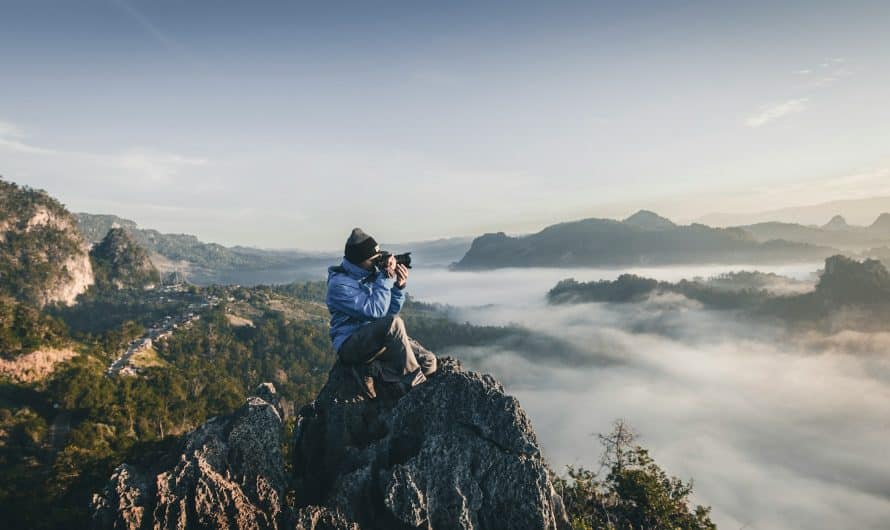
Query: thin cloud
775,111
147,25
148,165
10,130
152,30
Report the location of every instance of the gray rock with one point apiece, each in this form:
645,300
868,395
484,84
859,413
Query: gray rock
230,474
456,452
318,518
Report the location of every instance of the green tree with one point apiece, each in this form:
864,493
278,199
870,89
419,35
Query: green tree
635,493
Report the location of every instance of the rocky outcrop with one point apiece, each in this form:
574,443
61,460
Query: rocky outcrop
34,366
43,257
120,263
229,473
456,452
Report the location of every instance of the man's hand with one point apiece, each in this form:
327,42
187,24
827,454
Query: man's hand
390,268
401,276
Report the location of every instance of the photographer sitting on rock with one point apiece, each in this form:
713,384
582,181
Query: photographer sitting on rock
366,330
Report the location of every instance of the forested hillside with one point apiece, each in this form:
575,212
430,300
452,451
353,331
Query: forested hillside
850,293
43,258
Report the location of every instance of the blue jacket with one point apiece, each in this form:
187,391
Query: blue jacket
354,301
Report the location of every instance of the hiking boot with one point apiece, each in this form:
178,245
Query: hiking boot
365,382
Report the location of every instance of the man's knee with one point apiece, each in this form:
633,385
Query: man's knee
395,325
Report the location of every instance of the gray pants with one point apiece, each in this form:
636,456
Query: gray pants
392,356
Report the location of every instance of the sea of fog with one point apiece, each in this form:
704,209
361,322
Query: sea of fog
777,431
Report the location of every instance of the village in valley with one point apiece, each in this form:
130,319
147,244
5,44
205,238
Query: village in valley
189,305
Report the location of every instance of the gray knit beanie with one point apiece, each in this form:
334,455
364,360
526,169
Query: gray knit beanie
360,246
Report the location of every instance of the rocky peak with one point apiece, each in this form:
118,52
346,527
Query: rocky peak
882,223
456,452
836,223
648,220
120,262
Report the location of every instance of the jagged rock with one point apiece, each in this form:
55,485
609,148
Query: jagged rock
456,452
123,503
318,518
230,474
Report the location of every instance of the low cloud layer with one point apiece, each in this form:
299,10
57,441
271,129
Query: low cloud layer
777,431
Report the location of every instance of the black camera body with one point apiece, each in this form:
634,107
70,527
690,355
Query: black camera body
401,259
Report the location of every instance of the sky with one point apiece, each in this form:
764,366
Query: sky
285,124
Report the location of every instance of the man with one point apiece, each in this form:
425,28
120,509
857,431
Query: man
366,330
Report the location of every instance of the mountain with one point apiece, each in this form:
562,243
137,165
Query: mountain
199,262
182,249
642,239
836,223
119,262
857,211
210,263
43,257
94,227
649,221
456,452
882,225
836,233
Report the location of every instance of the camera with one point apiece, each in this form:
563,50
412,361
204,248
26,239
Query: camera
401,259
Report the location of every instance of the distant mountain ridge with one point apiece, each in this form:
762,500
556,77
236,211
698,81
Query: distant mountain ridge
205,263
644,238
857,211
836,233
196,260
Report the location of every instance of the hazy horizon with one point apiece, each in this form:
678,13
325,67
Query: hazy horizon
285,126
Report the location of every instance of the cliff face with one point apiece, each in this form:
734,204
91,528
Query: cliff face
454,453
43,257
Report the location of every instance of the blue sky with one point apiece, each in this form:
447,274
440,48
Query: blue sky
284,124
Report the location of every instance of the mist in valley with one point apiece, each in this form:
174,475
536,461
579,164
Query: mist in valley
778,429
